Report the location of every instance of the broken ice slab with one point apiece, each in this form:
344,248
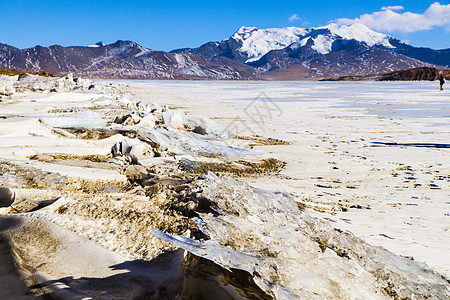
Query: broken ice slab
213,128
85,119
227,258
175,118
180,142
103,101
224,256
211,249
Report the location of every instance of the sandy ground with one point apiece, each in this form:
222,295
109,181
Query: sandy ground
394,196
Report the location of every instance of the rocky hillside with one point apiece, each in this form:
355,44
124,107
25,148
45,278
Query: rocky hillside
415,74
123,59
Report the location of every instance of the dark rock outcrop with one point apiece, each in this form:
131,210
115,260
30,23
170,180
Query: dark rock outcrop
411,74
415,74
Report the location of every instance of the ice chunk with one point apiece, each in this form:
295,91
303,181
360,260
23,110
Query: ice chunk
84,119
131,149
147,107
181,142
175,118
213,128
148,121
35,83
6,88
127,101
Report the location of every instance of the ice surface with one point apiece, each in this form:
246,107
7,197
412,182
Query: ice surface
336,122
288,252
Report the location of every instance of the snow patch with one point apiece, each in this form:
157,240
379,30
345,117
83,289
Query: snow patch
257,42
180,60
323,43
360,33
143,50
97,45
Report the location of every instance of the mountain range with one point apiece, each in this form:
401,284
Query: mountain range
289,53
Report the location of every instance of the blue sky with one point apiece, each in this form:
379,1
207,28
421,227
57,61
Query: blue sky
162,25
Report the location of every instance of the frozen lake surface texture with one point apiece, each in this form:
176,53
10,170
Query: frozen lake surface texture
168,189
370,157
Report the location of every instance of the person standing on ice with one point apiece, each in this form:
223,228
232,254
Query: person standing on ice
441,82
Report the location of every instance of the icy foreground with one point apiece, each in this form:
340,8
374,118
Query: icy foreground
293,255
106,188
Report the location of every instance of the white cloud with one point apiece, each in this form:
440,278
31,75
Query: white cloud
388,19
397,7
297,19
294,17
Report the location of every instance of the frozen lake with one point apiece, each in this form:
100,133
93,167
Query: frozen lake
363,163
370,157
392,99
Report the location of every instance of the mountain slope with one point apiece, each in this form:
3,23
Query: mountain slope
437,57
123,59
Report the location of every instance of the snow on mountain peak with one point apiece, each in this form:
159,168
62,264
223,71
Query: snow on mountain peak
361,33
257,42
244,33
96,45
142,51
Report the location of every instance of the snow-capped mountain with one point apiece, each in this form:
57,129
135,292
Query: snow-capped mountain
258,42
293,53
289,53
